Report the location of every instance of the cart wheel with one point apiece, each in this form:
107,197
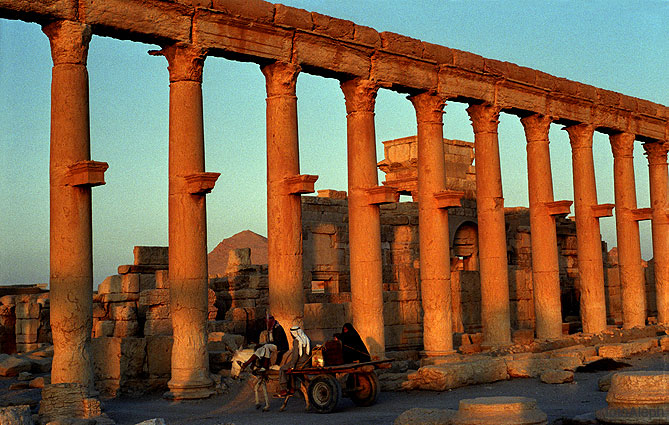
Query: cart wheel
366,391
324,393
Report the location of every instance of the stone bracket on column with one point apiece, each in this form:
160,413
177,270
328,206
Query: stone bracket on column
86,174
448,198
559,207
201,183
382,195
641,214
603,210
300,184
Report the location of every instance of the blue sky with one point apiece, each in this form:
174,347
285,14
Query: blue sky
618,45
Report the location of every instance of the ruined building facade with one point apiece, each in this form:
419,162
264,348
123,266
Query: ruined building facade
285,41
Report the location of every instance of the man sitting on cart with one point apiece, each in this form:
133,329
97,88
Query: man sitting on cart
298,357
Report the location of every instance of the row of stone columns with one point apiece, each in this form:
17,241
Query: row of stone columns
73,174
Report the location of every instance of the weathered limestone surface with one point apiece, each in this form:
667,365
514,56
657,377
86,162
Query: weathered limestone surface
621,350
499,410
70,400
639,397
453,375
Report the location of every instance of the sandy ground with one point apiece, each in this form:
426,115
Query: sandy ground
237,406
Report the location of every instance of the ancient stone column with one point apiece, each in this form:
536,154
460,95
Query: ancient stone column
545,268
590,266
364,226
435,264
493,262
657,174
632,279
187,225
71,263
284,210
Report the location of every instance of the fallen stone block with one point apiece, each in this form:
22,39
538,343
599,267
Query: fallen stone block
111,285
422,416
25,376
557,377
533,366
604,383
12,366
499,410
16,415
453,375
627,349
40,382
232,342
664,342
145,255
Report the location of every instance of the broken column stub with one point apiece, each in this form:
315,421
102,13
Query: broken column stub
499,411
640,397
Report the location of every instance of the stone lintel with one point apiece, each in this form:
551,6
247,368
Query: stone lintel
201,183
603,210
150,20
382,195
514,97
403,74
465,86
31,10
649,127
323,55
609,120
559,207
146,268
221,34
300,184
641,214
448,199
86,174
569,109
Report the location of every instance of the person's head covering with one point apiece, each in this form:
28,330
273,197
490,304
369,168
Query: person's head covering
265,351
348,328
270,322
300,338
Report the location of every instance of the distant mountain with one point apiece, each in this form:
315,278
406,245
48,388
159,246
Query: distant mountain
218,257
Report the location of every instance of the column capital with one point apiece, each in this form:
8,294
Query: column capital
580,135
536,127
484,117
656,152
280,78
429,107
360,95
622,145
185,62
69,41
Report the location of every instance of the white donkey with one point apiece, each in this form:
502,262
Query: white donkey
240,358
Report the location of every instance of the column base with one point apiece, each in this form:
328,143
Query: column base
189,390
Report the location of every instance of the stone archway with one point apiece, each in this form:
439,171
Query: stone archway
465,279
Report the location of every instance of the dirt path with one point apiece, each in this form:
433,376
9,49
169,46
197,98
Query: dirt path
237,407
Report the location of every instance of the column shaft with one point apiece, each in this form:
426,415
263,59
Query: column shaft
589,245
187,227
284,210
435,270
659,182
364,226
545,268
493,262
632,279
71,264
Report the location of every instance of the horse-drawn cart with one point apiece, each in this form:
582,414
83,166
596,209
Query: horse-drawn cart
327,384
